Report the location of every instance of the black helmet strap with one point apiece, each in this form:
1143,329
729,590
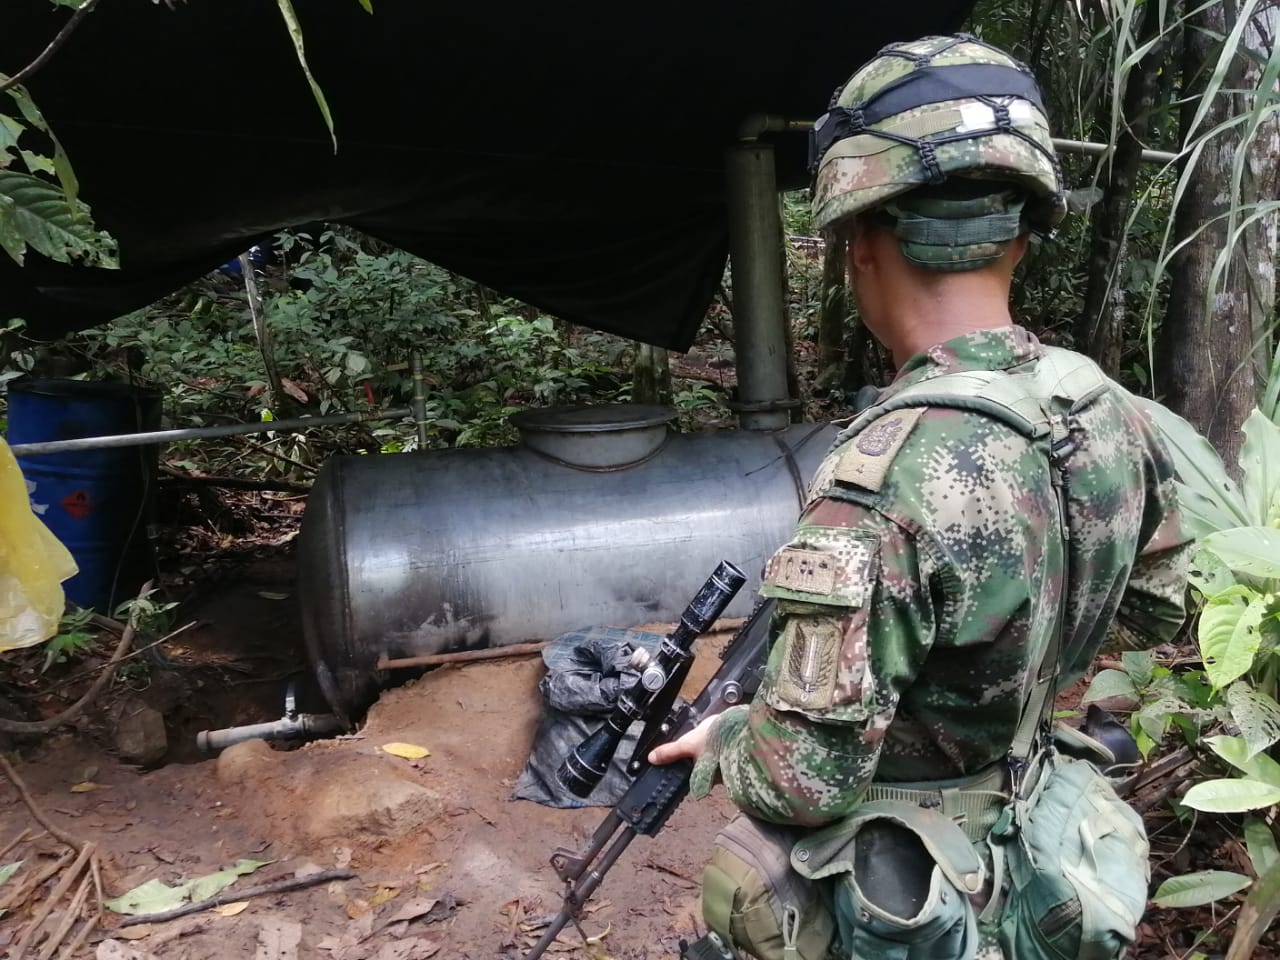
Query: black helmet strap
926,84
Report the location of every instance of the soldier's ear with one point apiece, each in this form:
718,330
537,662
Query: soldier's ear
861,249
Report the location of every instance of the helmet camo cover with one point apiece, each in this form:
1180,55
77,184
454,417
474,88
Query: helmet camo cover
934,108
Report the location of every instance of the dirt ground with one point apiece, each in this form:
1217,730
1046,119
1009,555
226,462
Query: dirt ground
442,859
440,828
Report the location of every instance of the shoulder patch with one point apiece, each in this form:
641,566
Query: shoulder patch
805,571
866,458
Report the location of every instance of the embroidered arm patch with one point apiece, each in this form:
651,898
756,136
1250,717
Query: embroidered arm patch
865,460
833,566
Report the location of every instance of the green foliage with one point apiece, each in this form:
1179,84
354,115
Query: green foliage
72,639
1236,573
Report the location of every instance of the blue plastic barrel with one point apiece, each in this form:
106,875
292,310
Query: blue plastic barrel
97,502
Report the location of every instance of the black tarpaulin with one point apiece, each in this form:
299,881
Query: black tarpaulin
569,154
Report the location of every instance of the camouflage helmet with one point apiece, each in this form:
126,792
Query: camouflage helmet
922,112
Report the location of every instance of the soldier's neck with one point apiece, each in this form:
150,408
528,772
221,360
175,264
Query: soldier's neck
961,303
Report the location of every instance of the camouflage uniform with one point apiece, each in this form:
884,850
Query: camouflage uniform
912,598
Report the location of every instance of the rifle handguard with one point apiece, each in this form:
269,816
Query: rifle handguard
582,771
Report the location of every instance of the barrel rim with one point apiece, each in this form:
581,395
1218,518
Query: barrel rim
97,389
593,418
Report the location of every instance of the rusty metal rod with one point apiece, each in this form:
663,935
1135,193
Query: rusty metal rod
196,433
462,656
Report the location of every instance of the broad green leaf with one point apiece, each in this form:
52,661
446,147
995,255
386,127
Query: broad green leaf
210,885
1260,840
1259,910
155,896
367,5
1109,683
1235,751
1231,796
36,213
10,131
1256,714
1209,574
1260,466
1229,636
1197,889
1215,496
1250,550
150,897
1139,665
295,34
9,869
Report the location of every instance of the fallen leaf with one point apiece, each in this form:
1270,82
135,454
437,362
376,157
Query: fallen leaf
357,908
140,932
150,897
415,948
85,786
9,869
293,390
232,909
272,595
412,909
278,940
202,888
115,950
384,895
341,857
307,868
155,896
409,751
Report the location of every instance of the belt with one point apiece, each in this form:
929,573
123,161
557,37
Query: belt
974,802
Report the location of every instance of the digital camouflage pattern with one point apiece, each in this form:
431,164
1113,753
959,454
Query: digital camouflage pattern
864,171
910,616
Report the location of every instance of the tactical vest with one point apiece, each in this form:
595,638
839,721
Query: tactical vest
1066,901
1036,400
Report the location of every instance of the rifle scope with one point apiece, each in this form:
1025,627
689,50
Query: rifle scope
583,769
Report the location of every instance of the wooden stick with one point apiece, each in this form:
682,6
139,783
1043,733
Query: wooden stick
232,896
81,936
22,835
41,818
68,919
46,908
19,894
237,483
462,656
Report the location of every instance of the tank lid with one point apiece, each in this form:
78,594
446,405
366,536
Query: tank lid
611,436
601,418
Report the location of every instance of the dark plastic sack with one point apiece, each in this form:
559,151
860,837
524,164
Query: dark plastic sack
586,669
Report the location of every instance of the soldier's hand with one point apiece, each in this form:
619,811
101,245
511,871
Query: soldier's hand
690,745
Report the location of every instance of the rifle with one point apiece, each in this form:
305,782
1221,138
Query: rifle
656,791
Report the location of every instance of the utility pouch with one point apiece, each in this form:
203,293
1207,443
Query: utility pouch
755,903
902,877
1076,858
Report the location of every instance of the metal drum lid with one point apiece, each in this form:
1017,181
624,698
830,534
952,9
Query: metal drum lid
602,437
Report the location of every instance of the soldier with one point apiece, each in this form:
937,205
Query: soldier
966,546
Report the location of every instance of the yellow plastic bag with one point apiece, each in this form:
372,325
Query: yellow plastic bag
33,564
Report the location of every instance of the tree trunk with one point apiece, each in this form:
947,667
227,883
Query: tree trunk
1100,326
651,376
1206,338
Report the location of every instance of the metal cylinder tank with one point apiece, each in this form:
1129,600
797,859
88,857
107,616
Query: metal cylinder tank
409,554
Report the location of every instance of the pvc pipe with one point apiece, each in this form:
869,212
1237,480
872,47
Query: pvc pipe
286,728
1089,149
759,314
760,123
196,433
